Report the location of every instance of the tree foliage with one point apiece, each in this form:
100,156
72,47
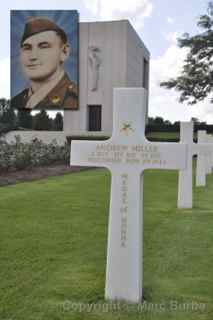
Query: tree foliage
58,122
41,121
24,119
7,117
4,105
196,79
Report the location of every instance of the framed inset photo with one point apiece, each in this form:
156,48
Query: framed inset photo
44,59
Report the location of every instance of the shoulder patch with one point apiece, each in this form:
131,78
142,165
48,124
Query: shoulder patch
56,100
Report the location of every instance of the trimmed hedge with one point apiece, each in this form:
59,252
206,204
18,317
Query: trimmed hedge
18,155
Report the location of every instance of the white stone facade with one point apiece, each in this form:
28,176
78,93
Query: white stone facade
111,54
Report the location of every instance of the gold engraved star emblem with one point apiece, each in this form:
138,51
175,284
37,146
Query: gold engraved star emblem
126,128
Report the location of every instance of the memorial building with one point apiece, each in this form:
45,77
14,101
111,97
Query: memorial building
111,54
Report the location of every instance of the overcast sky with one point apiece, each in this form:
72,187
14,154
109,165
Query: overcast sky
158,22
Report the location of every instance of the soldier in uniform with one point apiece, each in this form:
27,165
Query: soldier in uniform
43,51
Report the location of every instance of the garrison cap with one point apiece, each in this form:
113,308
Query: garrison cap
36,25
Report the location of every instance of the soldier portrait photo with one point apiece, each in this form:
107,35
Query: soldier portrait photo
42,77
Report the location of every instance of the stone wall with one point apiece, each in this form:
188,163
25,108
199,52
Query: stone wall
45,136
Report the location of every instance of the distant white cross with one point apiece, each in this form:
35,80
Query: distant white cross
127,154
201,149
203,158
209,156
201,161
185,176
211,141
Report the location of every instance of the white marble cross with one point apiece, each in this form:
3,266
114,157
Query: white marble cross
127,154
211,161
209,155
201,149
202,159
185,189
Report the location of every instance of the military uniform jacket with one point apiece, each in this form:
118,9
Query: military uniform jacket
63,96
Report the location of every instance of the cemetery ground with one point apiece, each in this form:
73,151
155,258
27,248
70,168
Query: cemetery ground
53,250
36,173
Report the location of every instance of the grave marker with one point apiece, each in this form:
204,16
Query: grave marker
185,190
201,149
201,160
209,155
127,154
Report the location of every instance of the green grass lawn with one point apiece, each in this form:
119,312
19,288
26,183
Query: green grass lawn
53,250
163,135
